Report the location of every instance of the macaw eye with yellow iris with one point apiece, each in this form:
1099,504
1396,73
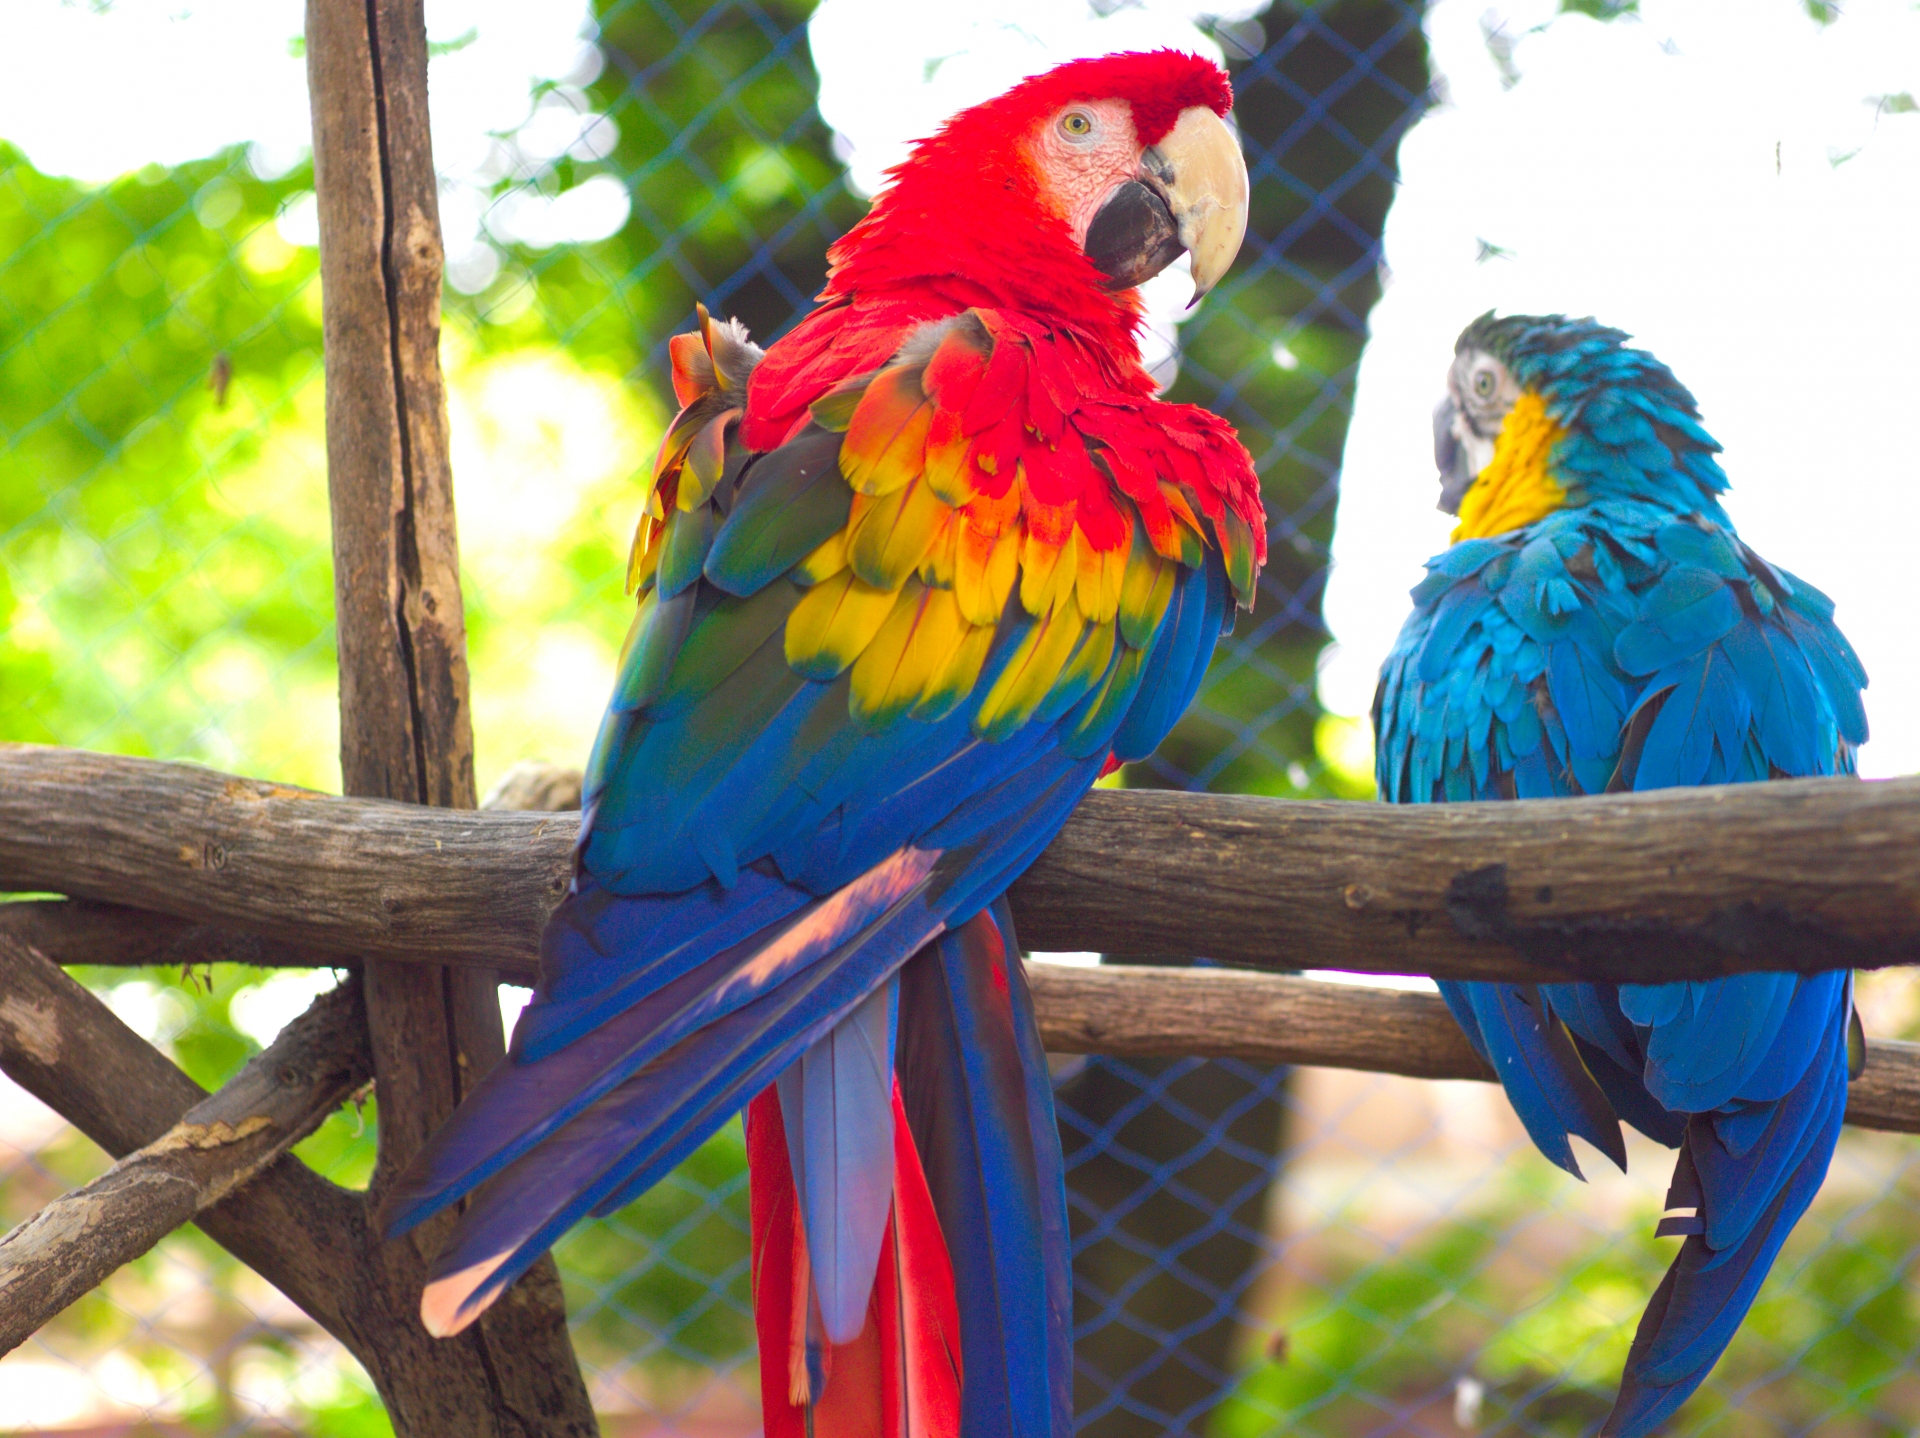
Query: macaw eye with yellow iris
1484,384
1076,124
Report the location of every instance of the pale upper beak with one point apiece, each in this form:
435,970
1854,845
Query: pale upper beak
1199,169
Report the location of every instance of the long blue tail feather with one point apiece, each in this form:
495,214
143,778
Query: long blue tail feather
1705,1295
519,1104
1546,1080
994,1178
1056,1241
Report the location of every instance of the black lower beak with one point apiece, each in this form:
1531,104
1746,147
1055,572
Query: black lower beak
1450,458
1133,236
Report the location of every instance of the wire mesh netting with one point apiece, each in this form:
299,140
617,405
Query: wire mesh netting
1257,1251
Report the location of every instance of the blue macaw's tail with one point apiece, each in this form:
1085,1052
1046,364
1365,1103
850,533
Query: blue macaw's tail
1746,1075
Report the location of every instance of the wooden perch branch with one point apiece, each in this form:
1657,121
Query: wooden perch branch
282,1095
67,1048
82,931
1273,1019
1685,883
1139,1012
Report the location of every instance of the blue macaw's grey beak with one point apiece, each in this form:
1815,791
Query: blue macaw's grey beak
1450,457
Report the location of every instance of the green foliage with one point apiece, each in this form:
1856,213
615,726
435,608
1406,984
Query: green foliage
149,581
665,1282
1519,1295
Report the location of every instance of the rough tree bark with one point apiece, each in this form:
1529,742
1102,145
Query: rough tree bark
406,729
283,1094
301,1233
1685,883
1130,1012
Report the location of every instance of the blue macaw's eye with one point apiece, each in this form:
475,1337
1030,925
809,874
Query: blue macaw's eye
1483,384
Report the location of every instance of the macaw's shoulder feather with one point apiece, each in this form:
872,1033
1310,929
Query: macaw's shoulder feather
1622,646
871,671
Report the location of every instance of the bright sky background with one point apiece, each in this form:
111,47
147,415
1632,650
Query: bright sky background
173,80
1717,176
1722,179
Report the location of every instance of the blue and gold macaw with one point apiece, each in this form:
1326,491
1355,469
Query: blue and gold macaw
1598,626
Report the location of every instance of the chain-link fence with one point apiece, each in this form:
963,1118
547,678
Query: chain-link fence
1257,1251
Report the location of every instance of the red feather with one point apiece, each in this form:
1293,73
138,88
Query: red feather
901,1377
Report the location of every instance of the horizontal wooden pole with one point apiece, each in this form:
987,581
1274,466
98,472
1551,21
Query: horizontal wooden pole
1130,1011
1684,883
282,1094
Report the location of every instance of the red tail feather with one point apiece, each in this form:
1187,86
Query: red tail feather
901,1377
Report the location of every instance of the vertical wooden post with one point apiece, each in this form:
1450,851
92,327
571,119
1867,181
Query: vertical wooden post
406,731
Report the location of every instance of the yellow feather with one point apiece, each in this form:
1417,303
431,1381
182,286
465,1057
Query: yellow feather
947,468
1144,596
1090,584
886,444
937,567
1090,660
1113,578
833,623
1515,488
680,433
644,558
875,695
984,569
1048,571
825,562
706,458
889,536
1031,673
914,652
955,681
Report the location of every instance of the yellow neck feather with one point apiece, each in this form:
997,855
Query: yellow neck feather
1515,488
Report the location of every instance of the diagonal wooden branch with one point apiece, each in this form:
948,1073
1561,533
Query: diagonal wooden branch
1685,883
67,1048
309,1238
283,1094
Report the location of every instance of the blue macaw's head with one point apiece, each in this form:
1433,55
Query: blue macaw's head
1543,412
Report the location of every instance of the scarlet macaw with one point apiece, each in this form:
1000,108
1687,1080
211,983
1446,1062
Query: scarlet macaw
910,580
1599,626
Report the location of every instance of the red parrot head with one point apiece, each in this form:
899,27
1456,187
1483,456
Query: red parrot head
1063,193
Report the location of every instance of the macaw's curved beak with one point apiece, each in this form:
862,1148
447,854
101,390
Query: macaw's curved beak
1450,457
1191,194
